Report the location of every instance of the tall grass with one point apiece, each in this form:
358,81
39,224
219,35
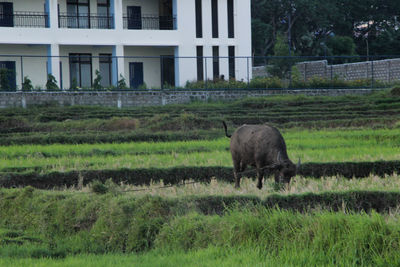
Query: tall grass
277,236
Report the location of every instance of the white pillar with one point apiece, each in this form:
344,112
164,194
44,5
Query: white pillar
224,62
53,62
117,10
118,64
223,19
207,26
208,62
185,65
52,9
243,36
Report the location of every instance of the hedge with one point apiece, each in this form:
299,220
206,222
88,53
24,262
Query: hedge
173,176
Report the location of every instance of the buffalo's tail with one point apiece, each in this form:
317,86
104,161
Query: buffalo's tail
226,130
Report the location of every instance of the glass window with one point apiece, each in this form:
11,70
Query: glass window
105,69
81,70
78,14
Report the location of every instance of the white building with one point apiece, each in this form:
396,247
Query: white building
145,41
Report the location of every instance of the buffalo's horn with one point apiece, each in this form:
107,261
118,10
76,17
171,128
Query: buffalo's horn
278,158
298,164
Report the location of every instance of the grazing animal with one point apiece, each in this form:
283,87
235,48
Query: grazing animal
263,147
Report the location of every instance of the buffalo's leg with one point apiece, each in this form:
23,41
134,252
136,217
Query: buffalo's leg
260,175
236,173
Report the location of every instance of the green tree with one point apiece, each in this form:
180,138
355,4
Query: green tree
281,64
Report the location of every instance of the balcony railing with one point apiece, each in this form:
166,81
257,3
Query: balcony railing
25,19
149,22
85,21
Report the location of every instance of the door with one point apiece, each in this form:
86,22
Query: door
135,74
168,71
134,17
8,80
6,14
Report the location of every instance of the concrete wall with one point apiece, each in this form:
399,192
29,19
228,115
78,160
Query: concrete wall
149,98
382,70
28,6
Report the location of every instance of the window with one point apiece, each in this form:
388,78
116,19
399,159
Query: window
200,59
215,62
78,14
214,18
135,75
80,68
231,54
7,68
105,69
199,19
6,14
103,14
231,27
134,17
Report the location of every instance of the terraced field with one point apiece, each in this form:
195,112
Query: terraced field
158,180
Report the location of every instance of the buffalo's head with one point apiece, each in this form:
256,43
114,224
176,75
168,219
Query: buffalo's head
285,170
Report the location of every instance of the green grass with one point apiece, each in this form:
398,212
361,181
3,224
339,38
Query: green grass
309,146
212,256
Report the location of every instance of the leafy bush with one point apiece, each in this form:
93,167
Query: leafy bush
51,83
27,84
97,80
266,83
122,83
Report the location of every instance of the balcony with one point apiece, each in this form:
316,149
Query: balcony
25,19
85,21
149,22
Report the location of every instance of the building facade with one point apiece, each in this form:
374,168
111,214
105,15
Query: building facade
150,42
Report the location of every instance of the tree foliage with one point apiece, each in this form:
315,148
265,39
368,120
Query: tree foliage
319,28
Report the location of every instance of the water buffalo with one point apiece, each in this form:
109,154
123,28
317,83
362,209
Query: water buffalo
263,147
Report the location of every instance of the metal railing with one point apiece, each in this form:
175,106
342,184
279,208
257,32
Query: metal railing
85,21
25,19
149,22
207,73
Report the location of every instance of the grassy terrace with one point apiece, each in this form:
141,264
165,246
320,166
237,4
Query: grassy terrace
330,221
310,146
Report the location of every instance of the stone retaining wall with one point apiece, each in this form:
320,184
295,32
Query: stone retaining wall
148,98
383,70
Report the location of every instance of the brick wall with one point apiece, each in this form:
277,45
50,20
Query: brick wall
148,98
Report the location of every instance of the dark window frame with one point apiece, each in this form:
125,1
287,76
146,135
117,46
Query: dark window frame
214,18
199,19
231,19
77,3
232,64
200,63
108,6
106,59
216,67
80,61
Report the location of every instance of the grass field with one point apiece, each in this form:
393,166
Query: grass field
331,221
309,146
